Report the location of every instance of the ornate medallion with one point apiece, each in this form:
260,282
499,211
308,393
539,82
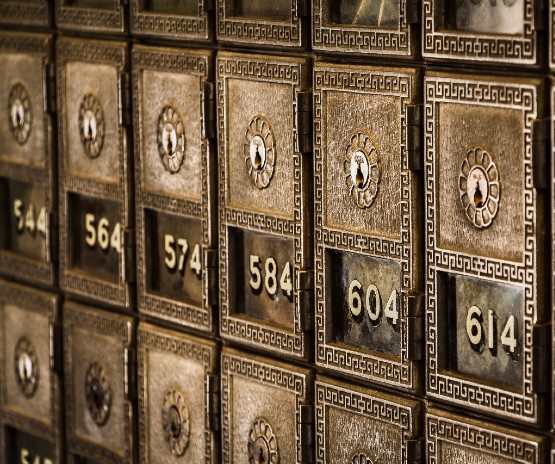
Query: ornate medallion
98,393
263,445
26,367
91,125
171,139
19,113
260,151
362,169
479,187
361,458
176,422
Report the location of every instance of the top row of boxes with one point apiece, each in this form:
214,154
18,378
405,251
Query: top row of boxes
508,31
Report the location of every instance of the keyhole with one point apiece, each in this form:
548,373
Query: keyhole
88,132
359,178
478,198
261,459
257,158
169,146
175,422
18,118
97,395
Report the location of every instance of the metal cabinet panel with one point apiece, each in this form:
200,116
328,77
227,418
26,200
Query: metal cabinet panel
96,188
92,16
176,178
30,392
265,202
452,438
28,189
485,245
266,410
99,388
178,390
368,223
26,13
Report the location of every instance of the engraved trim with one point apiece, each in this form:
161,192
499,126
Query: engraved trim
171,139
100,20
20,113
176,422
91,125
260,151
263,445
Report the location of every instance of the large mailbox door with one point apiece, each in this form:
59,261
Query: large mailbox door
265,198
483,30
28,189
92,16
485,245
30,391
176,186
96,188
26,13
368,272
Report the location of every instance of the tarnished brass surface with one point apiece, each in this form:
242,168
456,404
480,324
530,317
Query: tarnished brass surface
91,16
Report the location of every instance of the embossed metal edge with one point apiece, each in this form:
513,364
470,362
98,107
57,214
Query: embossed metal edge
113,53
93,19
105,323
439,89
438,43
293,72
399,42
181,61
272,373
382,369
26,15
202,351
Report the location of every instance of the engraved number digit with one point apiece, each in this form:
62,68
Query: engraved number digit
256,277
475,331
355,301
30,219
195,262
170,258
474,327
41,221
508,336
373,302
391,311
90,237
115,239
373,305
285,281
183,244
17,210
102,235
270,278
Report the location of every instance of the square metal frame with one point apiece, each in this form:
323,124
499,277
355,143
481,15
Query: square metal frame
92,20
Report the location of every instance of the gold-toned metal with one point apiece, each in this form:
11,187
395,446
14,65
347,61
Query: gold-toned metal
263,445
20,113
91,125
92,16
26,366
171,139
26,13
176,422
98,392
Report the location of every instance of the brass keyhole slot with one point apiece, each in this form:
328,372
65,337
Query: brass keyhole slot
97,395
261,459
257,159
359,177
478,197
175,422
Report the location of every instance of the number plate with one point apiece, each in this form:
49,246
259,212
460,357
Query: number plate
30,399
27,161
344,416
171,19
26,13
481,30
363,26
98,363
265,412
458,440
178,395
368,278
265,190
97,16
175,179
268,23
96,256
485,249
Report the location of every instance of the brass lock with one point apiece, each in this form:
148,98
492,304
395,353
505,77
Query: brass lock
91,125
26,367
176,422
98,393
263,446
20,113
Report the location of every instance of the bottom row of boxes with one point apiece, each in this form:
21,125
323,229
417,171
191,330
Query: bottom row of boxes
187,403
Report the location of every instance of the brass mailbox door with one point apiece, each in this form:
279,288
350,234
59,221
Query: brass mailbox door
26,13
368,269
487,343
358,425
98,373
96,218
268,23
382,27
30,383
178,388
96,16
266,411
28,193
173,19
176,178
483,30
455,439
265,200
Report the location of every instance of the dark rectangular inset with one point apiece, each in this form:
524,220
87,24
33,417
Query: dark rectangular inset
484,333
273,10
181,7
101,4
94,234
374,13
363,297
261,273
22,447
174,256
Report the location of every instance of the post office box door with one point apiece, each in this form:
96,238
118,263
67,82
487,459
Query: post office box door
96,16
26,12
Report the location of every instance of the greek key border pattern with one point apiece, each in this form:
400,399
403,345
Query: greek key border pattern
443,385
378,368
266,374
93,20
29,15
440,43
102,322
478,437
233,327
181,345
376,40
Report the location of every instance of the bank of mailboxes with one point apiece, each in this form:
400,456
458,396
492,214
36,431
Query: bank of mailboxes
92,16
26,13
178,393
100,385
267,413
265,186
96,215
27,159
487,341
176,186
30,371
368,235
